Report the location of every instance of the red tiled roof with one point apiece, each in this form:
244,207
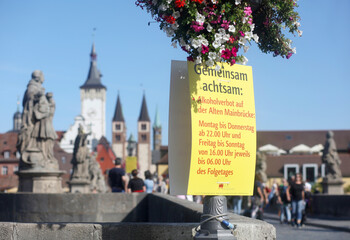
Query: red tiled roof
60,135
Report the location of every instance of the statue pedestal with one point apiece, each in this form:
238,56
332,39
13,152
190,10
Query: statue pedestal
36,181
332,186
79,186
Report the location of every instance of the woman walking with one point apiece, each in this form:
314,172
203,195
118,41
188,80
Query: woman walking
296,194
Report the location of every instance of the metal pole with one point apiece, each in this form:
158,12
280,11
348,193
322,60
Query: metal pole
214,229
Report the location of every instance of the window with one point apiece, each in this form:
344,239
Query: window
117,138
63,159
323,170
88,142
102,159
290,170
5,170
117,126
310,172
7,154
71,142
143,137
15,168
143,126
18,155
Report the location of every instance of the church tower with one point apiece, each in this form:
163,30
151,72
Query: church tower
157,132
144,139
93,101
119,131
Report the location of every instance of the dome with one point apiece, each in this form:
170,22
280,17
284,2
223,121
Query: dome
17,115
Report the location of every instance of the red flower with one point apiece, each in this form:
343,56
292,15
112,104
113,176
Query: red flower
170,19
179,3
226,54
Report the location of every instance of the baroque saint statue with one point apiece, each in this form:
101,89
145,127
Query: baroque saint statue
37,135
81,156
331,159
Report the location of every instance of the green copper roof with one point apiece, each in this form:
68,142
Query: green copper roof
157,123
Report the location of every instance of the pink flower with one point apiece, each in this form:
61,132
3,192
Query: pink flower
190,58
232,39
242,33
289,55
197,27
247,11
205,49
234,51
225,24
233,61
226,54
250,21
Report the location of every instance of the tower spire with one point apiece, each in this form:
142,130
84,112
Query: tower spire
94,76
157,123
144,111
118,113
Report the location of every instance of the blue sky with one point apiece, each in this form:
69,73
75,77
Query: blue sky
310,91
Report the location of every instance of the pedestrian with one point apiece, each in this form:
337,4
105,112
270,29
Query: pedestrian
307,189
237,204
149,182
116,177
258,200
285,214
296,194
136,184
162,185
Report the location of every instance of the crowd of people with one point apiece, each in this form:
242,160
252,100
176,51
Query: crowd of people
119,181
292,199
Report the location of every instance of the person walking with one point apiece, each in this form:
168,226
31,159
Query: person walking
116,177
149,182
284,203
296,194
136,184
237,204
258,200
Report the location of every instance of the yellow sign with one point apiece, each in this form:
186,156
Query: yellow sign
212,130
223,130
130,164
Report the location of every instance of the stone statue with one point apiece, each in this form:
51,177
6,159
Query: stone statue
81,157
260,170
331,159
98,183
37,135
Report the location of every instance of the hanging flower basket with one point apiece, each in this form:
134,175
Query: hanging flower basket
213,31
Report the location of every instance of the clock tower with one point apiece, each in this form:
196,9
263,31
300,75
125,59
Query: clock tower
93,101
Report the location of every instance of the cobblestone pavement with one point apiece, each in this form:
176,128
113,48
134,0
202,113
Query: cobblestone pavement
286,232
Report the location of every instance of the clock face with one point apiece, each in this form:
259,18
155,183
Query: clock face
91,112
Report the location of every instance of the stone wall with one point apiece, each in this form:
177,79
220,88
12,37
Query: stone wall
110,216
109,207
331,205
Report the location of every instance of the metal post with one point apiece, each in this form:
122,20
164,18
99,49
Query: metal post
213,229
